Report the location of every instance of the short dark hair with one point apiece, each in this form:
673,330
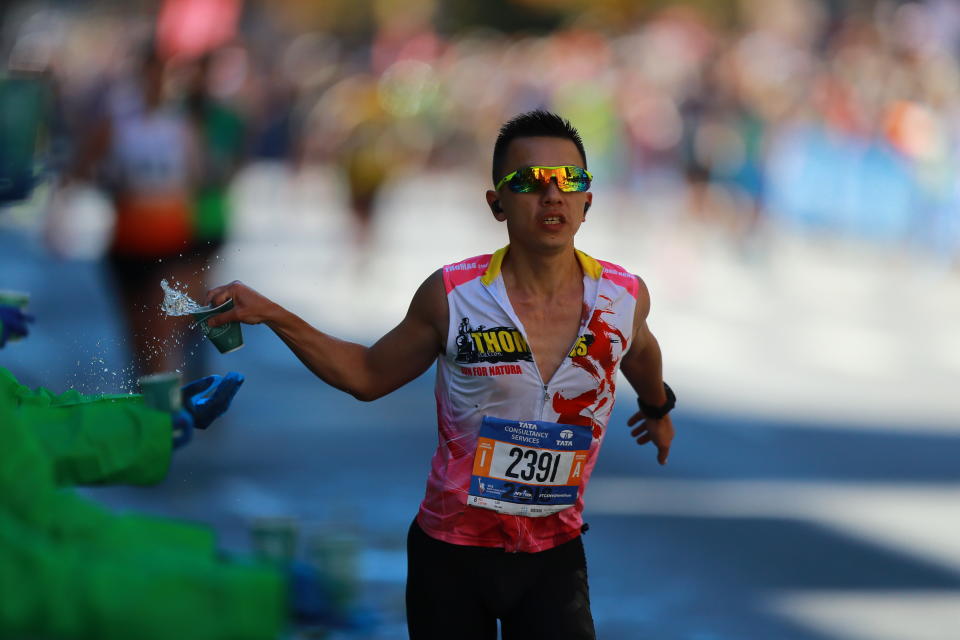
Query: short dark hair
528,125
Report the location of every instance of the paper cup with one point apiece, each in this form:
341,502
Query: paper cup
335,556
274,539
161,391
18,299
225,338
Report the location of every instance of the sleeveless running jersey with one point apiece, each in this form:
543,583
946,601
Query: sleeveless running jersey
488,370
150,171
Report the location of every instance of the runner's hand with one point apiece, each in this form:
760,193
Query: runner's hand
249,307
656,430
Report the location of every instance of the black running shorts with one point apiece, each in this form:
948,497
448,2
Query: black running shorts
456,591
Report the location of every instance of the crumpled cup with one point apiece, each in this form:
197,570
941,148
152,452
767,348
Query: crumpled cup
225,338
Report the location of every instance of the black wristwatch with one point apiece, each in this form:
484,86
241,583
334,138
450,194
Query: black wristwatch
651,411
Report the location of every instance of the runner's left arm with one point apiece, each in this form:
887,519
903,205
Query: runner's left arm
642,366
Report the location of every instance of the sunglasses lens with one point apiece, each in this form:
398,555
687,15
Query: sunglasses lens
569,179
527,180
572,179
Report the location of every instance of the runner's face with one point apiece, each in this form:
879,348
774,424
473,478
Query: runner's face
547,217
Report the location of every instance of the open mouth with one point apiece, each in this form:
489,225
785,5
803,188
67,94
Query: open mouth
552,219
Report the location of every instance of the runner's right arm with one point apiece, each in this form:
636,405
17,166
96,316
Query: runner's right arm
366,373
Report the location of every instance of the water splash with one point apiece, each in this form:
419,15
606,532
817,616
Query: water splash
176,303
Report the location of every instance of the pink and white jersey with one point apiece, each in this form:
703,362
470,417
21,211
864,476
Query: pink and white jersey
488,370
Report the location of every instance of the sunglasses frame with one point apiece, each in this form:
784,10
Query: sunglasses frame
507,178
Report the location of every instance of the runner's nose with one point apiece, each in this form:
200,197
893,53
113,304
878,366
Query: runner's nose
551,193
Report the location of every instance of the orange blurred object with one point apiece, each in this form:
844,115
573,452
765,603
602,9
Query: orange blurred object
913,129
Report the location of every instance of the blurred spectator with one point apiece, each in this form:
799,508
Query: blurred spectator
220,132
148,154
815,115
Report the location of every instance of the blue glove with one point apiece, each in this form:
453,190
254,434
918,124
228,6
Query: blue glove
315,600
310,597
13,323
209,398
182,428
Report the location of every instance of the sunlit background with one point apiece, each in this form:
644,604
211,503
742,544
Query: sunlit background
781,173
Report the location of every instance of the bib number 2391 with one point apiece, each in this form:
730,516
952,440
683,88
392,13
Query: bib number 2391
528,468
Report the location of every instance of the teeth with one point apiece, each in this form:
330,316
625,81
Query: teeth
551,220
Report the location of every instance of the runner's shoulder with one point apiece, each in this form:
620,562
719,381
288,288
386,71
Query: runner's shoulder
430,301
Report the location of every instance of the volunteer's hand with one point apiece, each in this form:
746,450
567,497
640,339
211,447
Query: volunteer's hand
249,307
656,430
13,323
182,428
209,398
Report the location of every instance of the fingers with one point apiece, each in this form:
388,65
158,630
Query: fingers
653,431
223,318
662,452
227,392
639,429
197,386
235,376
219,295
229,386
634,418
213,293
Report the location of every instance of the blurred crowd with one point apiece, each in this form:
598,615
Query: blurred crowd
830,116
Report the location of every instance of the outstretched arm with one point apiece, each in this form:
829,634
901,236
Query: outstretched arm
366,373
643,367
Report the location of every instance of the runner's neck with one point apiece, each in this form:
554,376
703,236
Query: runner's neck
540,274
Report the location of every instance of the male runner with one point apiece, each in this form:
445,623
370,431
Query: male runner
529,340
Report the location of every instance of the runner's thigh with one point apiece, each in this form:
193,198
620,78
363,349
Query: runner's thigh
444,599
557,607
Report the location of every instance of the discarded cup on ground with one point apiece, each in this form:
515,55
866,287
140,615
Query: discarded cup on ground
161,391
335,556
274,538
225,338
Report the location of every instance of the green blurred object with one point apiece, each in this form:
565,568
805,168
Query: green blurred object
24,108
222,138
72,569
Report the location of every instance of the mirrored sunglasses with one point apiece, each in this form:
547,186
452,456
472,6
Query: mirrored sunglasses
570,179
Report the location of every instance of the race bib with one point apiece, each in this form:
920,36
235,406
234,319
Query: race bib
528,468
